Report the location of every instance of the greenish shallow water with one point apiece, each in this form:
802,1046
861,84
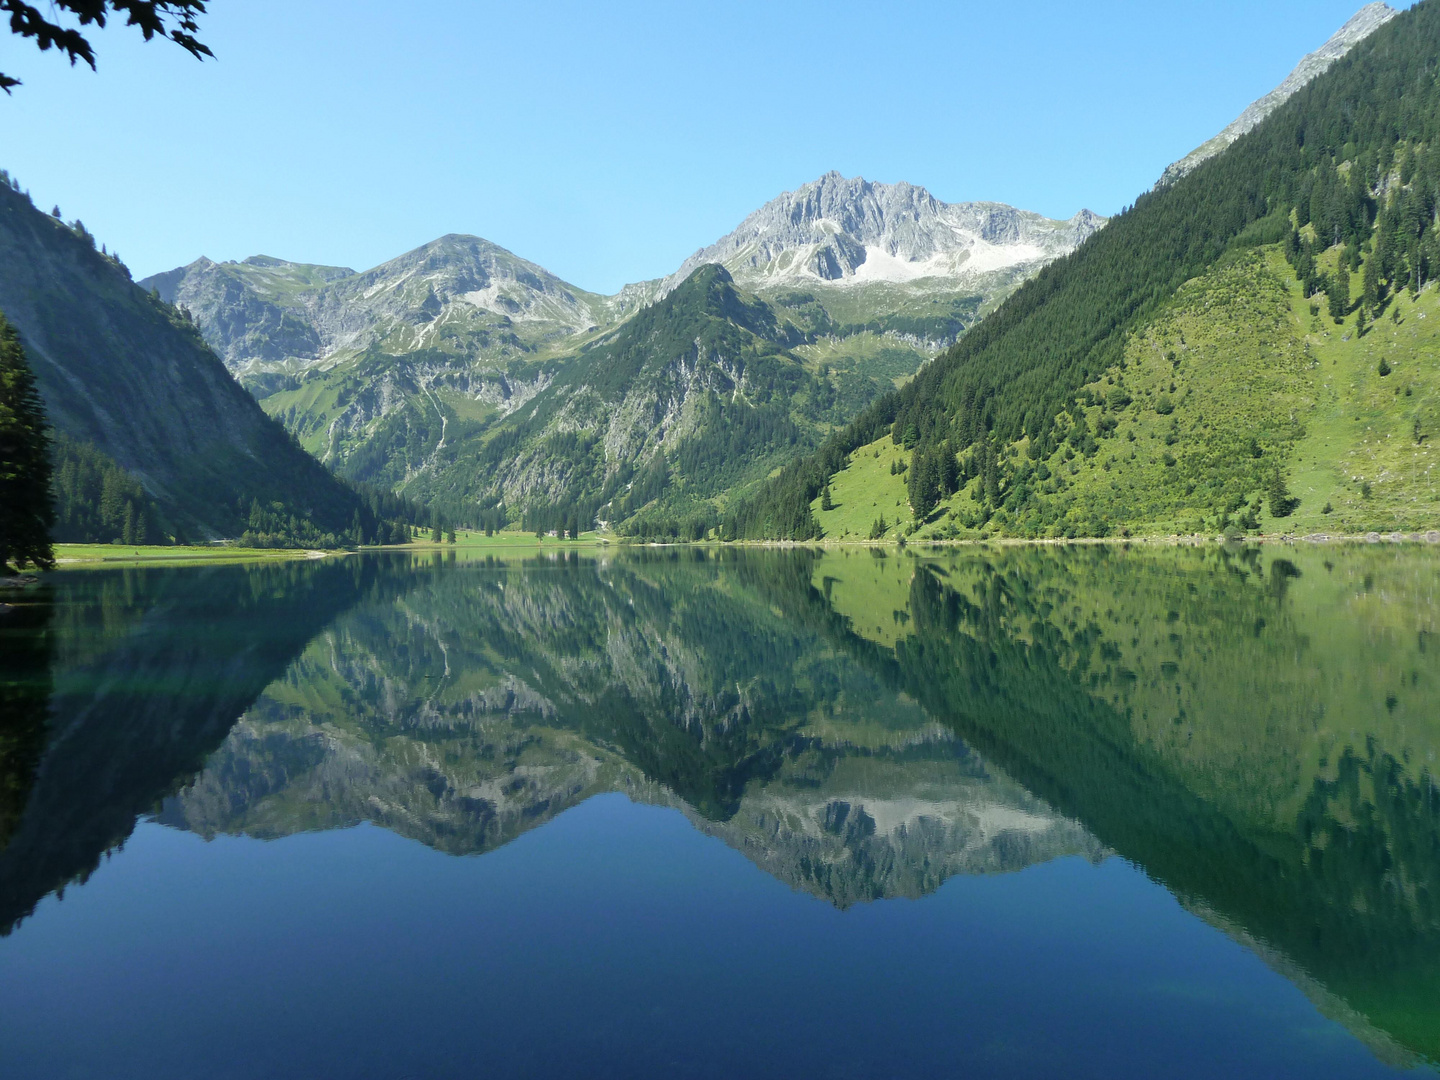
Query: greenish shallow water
1026,812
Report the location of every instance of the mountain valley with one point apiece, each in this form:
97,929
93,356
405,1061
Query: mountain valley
904,638
404,376
780,383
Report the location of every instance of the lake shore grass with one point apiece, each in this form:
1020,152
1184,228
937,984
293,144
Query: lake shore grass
86,556
1195,540
71,556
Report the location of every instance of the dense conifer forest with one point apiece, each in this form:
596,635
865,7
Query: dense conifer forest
98,502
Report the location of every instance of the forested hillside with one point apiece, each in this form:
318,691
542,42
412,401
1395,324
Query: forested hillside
651,427
96,501
1343,179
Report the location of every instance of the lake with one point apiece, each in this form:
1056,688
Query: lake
1018,812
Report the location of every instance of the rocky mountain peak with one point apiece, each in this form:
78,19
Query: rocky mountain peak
848,230
1364,23
264,314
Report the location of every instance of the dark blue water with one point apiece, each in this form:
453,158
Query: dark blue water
709,837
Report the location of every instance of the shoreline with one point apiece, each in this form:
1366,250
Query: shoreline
1195,540
90,556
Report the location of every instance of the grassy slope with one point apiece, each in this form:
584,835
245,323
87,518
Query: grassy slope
908,324
468,544
1240,356
871,589
509,540
863,491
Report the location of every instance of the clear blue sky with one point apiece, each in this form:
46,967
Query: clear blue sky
607,141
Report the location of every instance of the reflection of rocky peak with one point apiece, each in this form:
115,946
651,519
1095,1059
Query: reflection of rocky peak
480,705
271,780
898,827
889,828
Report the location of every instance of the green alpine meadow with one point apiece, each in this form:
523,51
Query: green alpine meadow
552,555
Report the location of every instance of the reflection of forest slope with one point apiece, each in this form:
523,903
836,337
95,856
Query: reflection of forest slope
487,700
150,670
25,683
1257,730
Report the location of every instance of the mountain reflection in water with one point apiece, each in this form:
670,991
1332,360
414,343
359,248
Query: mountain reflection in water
1255,728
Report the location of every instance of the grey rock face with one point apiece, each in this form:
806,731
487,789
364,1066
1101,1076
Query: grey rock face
1365,22
473,299
458,295
903,832
842,230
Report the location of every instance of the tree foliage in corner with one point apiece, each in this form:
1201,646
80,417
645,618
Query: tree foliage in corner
172,19
26,512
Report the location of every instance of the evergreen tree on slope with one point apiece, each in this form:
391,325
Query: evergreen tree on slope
26,512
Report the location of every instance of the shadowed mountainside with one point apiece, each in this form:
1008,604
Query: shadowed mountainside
125,373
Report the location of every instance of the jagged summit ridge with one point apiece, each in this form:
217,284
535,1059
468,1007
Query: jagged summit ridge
456,293
851,231
1364,23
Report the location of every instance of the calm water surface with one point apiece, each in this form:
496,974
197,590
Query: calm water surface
1019,813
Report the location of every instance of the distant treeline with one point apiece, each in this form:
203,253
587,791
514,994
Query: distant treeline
99,502
381,517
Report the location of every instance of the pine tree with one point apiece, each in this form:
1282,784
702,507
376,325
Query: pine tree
1282,504
924,483
949,471
1371,295
1339,294
26,510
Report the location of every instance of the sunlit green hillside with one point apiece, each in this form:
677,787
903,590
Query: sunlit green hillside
1245,349
1238,380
